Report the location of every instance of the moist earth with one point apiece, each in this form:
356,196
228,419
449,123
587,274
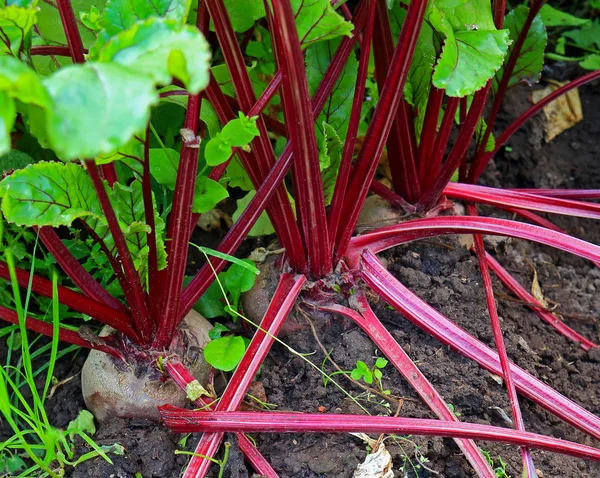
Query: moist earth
446,276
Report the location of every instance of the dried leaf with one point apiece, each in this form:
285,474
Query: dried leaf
536,290
377,464
562,113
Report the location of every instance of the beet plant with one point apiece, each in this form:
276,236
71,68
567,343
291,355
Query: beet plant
435,65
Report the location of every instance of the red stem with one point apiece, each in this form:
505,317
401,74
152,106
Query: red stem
236,235
432,194
516,124
563,193
264,193
479,249
186,421
381,123
280,210
531,217
179,231
386,237
115,318
283,301
133,289
441,143
272,124
116,267
428,133
503,85
75,271
151,236
67,17
345,168
310,206
384,341
522,200
47,329
499,8
46,50
432,322
401,144
287,231
516,288
182,377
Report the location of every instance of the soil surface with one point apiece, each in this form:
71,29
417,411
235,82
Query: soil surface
446,276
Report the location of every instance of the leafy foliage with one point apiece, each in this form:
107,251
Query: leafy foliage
121,15
336,112
529,63
55,194
233,282
162,49
225,353
473,48
16,22
237,133
318,21
584,39
108,89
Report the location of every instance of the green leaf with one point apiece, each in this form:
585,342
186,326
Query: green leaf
12,464
529,63
50,25
243,13
418,81
14,160
217,331
208,115
263,226
127,154
336,112
162,49
236,280
212,303
97,108
480,131
585,37
55,194
207,194
473,49
49,194
15,25
355,374
333,147
92,19
240,131
237,176
317,21
8,113
377,374
556,18
236,133
381,362
225,353
22,83
163,166
128,202
234,260
591,62
120,15
84,422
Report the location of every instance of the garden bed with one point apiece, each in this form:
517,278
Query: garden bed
445,275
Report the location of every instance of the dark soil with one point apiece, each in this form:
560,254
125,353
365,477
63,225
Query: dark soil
446,276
